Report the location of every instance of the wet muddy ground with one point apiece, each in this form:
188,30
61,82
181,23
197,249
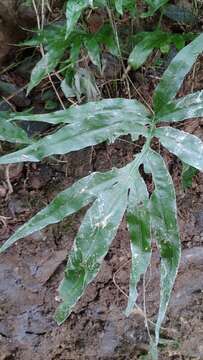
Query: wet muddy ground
97,329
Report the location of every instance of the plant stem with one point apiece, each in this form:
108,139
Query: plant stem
138,160
113,25
160,19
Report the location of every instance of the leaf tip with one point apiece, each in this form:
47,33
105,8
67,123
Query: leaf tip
61,314
3,248
29,88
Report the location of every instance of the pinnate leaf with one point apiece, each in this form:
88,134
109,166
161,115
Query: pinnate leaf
163,214
138,222
69,201
75,137
92,242
189,148
87,130
80,113
187,107
173,77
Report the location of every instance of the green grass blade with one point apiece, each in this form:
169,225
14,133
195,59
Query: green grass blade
65,203
138,222
92,242
187,107
163,214
187,147
173,77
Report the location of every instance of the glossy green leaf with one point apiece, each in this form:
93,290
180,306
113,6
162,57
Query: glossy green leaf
77,136
187,107
125,5
89,128
105,35
69,201
139,55
119,6
173,77
80,113
93,51
163,215
138,222
49,35
187,175
11,132
46,65
75,50
187,147
74,10
92,242
54,43
148,41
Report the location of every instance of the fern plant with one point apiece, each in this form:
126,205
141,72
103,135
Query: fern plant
119,191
